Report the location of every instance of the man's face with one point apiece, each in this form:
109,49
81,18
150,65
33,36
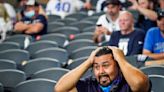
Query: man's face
113,10
160,24
105,69
125,22
144,3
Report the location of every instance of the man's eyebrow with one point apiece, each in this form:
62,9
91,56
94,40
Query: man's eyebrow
102,62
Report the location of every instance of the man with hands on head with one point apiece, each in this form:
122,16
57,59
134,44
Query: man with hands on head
112,74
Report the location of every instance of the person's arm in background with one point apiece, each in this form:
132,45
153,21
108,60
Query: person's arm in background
154,62
34,28
67,83
138,81
152,15
148,46
41,11
153,55
20,27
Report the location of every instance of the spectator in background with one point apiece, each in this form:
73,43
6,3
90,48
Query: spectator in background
154,40
107,23
147,17
111,71
32,23
65,7
7,18
21,9
100,6
128,39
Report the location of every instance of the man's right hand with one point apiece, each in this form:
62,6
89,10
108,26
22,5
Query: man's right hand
92,56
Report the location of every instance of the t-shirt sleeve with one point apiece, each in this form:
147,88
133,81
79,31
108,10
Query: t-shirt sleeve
42,19
138,43
148,43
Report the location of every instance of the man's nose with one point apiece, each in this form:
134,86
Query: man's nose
101,70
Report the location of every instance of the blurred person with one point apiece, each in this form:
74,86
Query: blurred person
111,74
154,40
7,18
147,16
65,7
107,23
32,23
129,39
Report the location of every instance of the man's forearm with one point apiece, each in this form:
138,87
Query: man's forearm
156,56
68,81
148,13
20,27
137,80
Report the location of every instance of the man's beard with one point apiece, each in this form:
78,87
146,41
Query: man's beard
104,79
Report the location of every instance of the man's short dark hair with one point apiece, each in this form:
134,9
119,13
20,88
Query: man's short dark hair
113,2
103,51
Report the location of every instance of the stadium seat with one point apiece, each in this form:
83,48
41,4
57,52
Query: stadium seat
53,18
56,37
50,73
10,78
98,14
92,19
157,83
54,25
7,64
9,45
67,21
89,29
39,45
133,60
15,55
37,64
86,35
82,24
67,30
153,70
36,85
20,39
76,62
55,53
1,88
82,52
76,44
78,16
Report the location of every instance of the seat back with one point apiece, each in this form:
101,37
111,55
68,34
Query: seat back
7,64
50,73
38,64
9,45
55,53
39,45
76,44
10,77
15,55
36,85
20,39
1,88
56,37
157,83
153,70
82,52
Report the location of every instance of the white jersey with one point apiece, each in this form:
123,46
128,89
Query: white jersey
63,7
109,24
